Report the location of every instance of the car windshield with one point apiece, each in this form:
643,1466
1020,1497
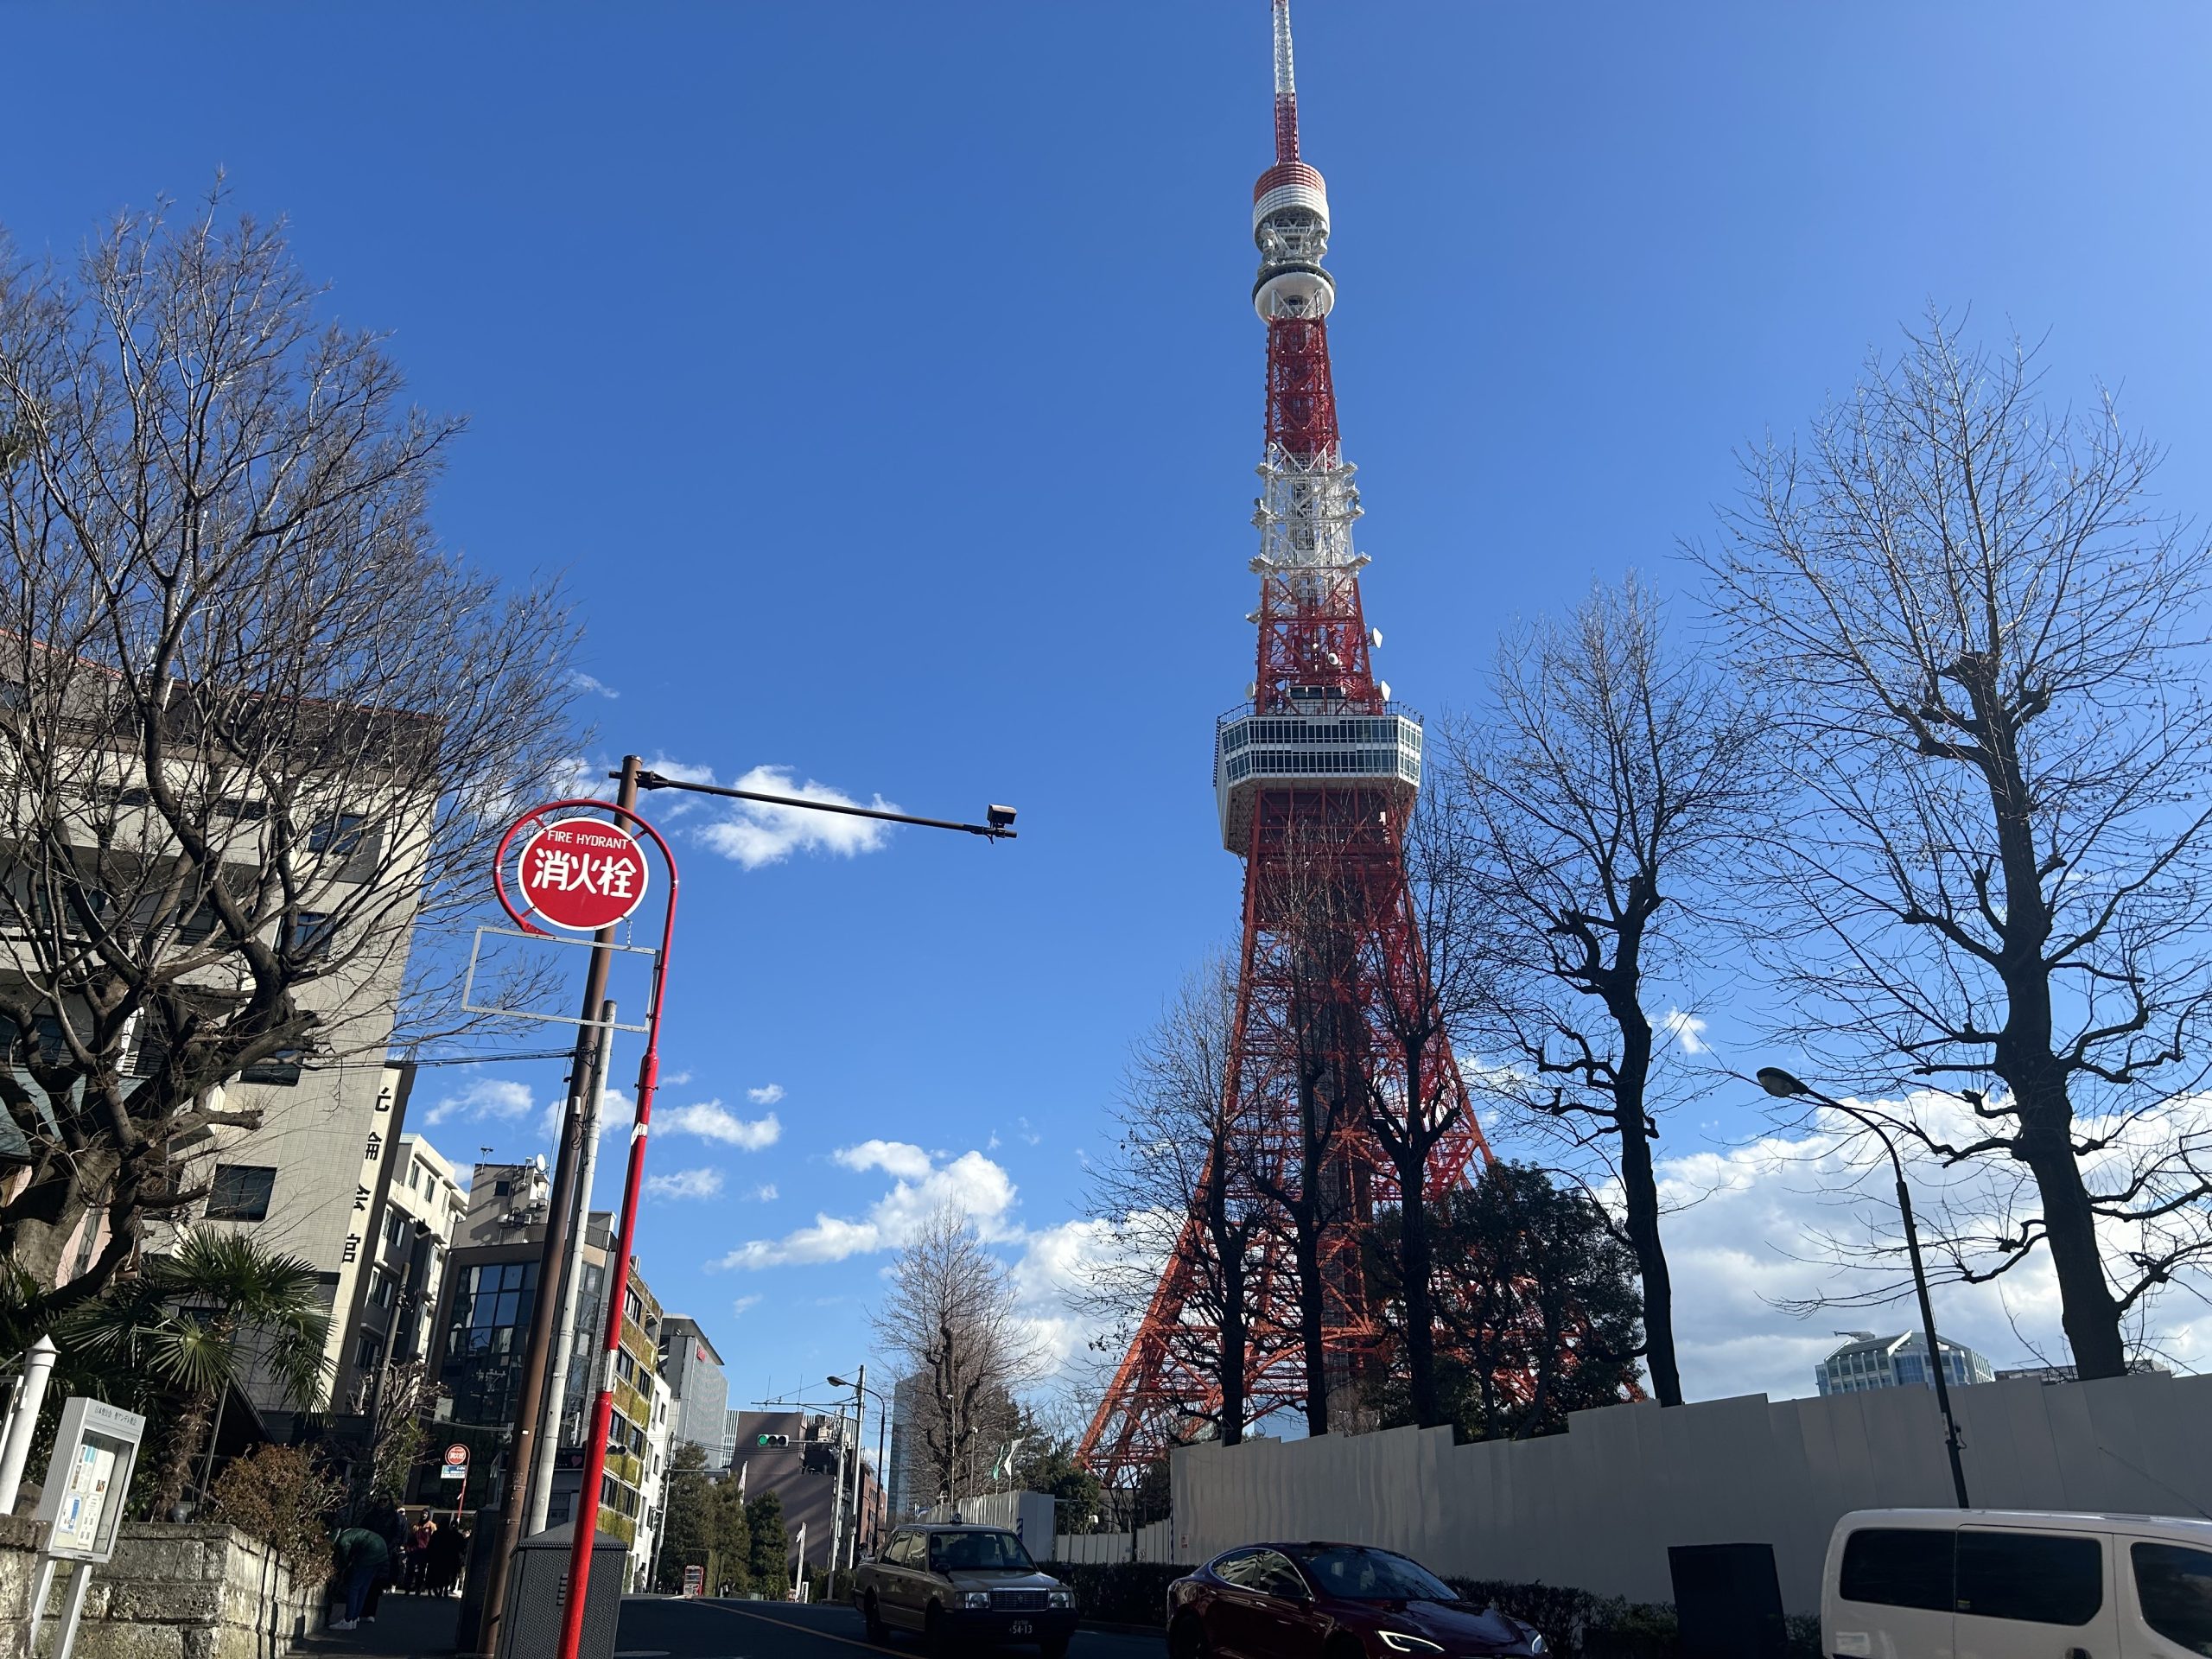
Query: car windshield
1374,1575
978,1552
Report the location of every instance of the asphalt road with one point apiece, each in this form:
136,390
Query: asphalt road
653,1628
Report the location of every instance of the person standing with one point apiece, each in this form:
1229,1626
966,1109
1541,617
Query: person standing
418,1555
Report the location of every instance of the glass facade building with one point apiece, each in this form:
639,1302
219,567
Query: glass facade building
487,1323
1870,1362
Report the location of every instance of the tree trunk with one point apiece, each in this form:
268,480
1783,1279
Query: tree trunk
1416,1278
1312,1306
192,1424
1640,1195
2085,1305
1639,1186
1234,1338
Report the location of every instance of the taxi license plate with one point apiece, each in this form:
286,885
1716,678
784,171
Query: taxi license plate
1018,1627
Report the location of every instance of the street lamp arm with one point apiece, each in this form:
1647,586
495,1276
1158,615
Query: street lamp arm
993,831
1783,1085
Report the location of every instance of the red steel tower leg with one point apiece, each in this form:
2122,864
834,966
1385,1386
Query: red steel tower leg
1315,776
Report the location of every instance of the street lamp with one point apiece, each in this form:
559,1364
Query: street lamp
1784,1086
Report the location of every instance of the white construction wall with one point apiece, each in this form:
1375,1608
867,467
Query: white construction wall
1029,1514
1597,1507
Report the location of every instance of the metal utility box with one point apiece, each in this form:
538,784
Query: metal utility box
1728,1598
537,1595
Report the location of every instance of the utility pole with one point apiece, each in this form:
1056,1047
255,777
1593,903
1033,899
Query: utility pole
530,1402
564,1333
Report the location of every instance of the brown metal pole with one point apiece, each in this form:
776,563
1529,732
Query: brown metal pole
522,1444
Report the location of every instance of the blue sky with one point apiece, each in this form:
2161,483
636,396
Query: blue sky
883,379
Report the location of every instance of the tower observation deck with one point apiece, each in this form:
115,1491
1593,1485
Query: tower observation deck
1316,776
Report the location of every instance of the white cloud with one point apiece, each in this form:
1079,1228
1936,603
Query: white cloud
684,1184
898,1158
766,1095
584,682
712,1121
1687,1029
755,833
483,1097
1811,1211
766,1192
737,1308
971,1184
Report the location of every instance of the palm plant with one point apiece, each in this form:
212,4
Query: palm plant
190,1321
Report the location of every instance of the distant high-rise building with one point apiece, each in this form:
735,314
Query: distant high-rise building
1870,1362
694,1371
903,1476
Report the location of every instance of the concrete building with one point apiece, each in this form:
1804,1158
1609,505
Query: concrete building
2055,1374
802,1474
694,1373
903,1478
1870,1362
418,1205
639,1393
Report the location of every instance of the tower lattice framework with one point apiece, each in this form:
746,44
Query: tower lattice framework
1315,778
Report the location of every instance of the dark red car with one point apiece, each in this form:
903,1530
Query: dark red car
1330,1601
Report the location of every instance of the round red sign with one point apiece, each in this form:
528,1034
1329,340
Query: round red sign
584,873
456,1454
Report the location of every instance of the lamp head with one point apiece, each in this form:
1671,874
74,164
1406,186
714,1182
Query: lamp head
1779,1083
999,817
839,1382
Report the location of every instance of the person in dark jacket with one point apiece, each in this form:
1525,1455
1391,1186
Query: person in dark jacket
448,1549
362,1557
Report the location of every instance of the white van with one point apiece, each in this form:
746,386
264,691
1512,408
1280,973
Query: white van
2016,1584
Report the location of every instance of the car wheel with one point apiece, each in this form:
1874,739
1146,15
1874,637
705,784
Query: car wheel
1344,1646
936,1641
1186,1638
872,1616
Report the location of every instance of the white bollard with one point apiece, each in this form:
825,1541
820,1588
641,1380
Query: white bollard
38,1365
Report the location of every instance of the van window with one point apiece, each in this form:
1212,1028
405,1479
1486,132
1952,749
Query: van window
2174,1583
2044,1578
1897,1567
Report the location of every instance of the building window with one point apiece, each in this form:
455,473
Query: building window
309,935
240,1192
368,1351
384,1290
281,1068
339,833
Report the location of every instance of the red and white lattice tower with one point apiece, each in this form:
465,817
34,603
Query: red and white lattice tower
1315,778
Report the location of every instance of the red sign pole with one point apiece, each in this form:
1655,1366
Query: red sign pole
581,874
586,1522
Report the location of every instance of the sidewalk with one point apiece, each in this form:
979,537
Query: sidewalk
406,1627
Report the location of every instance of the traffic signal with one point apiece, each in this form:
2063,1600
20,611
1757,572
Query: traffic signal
774,1441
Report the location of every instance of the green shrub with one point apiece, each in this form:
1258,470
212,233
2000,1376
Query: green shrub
1119,1592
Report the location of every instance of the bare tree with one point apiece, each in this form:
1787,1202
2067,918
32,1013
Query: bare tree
255,722
1430,957
1612,777
1184,1215
1997,881
950,1317
1307,1044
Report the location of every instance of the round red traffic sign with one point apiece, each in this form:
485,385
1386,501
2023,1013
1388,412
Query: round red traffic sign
457,1455
584,873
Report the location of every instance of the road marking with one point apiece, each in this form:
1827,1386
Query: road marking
826,1636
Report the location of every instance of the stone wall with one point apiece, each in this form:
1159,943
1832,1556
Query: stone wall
188,1592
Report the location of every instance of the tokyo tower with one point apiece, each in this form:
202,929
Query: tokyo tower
1315,779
